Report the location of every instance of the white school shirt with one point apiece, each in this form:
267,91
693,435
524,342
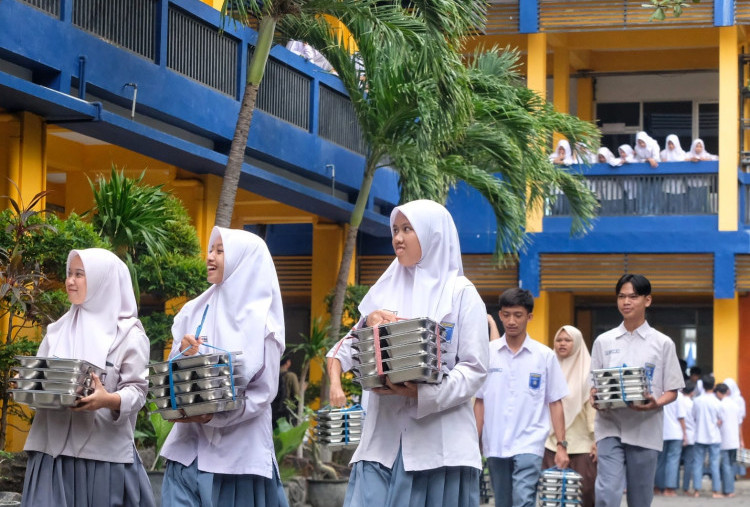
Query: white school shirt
673,412
687,406
730,424
707,414
517,394
240,441
438,428
645,347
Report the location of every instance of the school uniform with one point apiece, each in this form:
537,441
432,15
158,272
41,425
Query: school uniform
730,442
517,393
707,414
629,441
668,463
688,450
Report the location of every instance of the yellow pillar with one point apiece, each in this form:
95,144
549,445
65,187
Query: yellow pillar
538,327
26,160
536,79
726,337
561,85
728,121
561,312
585,98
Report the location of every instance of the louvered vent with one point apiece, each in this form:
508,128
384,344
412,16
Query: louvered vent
742,272
295,275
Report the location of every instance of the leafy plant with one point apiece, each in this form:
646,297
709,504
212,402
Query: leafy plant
288,438
159,430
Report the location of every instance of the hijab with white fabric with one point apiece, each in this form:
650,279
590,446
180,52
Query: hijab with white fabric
88,330
703,155
629,157
607,154
568,158
676,154
576,368
651,150
425,289
244,308
736,396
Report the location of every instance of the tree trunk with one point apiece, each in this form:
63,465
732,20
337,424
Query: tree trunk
6,395
245,117
301,403
337,306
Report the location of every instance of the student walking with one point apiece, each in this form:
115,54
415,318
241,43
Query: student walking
688,449
707,415
731,438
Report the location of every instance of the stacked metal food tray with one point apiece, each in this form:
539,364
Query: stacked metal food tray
409,351
339,427
201,384
743,457
559,488
52,382
616,387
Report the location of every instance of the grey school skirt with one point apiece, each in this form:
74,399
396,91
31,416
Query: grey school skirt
370,483
189,487
65,481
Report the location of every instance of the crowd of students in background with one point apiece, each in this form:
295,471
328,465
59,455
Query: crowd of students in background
645,150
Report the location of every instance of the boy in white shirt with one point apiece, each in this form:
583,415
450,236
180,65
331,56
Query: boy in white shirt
707,414
731,438
688,449
513,408
668,464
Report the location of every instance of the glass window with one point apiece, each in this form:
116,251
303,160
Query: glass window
663,118
708,127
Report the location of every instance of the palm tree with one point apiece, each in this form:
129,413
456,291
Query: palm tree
382,16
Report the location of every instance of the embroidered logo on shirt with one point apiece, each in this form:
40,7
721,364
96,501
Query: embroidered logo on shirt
650,367
611,351
535,380
495,370
448,330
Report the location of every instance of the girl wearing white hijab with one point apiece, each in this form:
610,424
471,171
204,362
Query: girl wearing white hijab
419,445
227,458
627,156
673,152
646,149
605,156
563,154
85,456
575,362
698,152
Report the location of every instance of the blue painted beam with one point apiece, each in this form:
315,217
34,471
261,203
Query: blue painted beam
724,12
528,16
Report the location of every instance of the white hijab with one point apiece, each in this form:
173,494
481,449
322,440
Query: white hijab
425,289
629,156
651,150
736,396
568,159
244,308
576,368
704,155
607,154
675,155
87,331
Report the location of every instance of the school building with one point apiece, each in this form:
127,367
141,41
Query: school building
155,85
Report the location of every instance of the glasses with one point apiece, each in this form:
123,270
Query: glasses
630,297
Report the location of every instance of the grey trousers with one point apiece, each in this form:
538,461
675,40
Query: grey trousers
618,461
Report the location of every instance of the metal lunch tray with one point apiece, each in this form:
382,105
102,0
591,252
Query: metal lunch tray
395,340
183,400
618,389
340,440
57,363
556,491
570,482
191,386
337,414
32,361
606,404
335,433
209,407
195,361
399,327
743,456
351,423
52,386
44,399
618,396
399,363
201,372
569,476
397,351
616,381
617,371
423,373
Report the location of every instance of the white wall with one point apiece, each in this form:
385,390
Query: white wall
694,86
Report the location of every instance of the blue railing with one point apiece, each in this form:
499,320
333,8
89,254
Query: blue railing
675,188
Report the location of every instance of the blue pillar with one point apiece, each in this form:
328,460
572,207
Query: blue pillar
528,271
724,275
724,12
528,16
162,33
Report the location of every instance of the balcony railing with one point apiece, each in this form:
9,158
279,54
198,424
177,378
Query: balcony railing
644,191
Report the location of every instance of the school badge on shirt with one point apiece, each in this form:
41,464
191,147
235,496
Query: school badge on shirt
535,380
448,330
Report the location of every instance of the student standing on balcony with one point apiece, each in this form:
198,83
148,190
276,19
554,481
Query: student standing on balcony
673,152
698,152
563,154
626,156
605,156
629,439
227,459
419,445
646,149
85,456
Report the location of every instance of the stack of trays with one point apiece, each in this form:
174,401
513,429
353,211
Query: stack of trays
52,382
558,488
408,350
616,387
202,385
743,457
339,427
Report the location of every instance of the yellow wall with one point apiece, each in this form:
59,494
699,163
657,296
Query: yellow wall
726,337
551,311
728,121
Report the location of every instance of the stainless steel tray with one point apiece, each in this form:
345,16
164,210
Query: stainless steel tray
58,363
551,475
195,361
52,386
428,346
607,404
743,456
617,371
399,363
43,399
402,326
340,440
616,381
337,414
191,386
396,340
424,373
618,389
195,397
209,407
556,490
335,433
202,372
334,425
55,374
